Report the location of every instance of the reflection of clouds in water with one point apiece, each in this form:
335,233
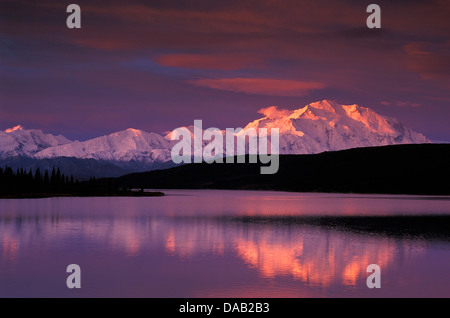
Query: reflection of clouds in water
313,255
9,248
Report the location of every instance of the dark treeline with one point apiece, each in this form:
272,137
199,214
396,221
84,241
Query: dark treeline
21,182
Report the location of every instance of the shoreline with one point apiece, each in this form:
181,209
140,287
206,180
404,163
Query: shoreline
106,194
131,193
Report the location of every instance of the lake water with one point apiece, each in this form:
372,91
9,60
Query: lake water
208,243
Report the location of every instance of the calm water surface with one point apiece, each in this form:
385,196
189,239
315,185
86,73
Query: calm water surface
207,243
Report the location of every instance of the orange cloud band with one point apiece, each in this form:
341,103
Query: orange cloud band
260,86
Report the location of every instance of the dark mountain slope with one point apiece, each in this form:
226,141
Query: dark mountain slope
399,169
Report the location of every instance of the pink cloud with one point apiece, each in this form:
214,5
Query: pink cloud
260,86
125,25
400,104
431,61
273,112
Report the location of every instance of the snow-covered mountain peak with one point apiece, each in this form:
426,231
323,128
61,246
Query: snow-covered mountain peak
327,126
18,141
15,128
326,105
124,145
135,132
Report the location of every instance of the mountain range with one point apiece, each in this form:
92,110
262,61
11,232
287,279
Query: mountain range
315,128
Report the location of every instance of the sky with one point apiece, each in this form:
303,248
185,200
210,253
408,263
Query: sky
158,65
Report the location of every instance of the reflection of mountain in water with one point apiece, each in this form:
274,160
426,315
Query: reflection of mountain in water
314,255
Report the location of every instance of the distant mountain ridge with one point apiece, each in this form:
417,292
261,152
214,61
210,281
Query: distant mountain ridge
126,145
17,141
314,128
